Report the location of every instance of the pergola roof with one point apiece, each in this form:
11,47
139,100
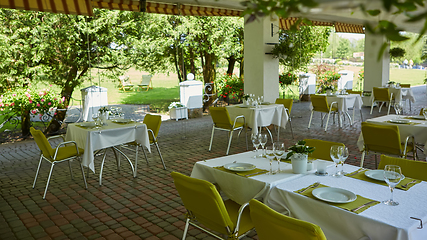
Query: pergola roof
345,15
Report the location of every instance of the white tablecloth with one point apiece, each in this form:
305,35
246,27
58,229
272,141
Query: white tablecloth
263,116
419,131
112,134
242,189
379,222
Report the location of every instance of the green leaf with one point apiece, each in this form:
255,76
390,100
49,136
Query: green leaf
418,17
373,12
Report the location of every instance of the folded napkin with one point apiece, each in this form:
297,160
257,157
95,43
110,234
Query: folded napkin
404,184
360,201
415,118
251,173
409,123
85,127
123,123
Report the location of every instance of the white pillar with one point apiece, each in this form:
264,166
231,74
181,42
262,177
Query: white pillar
376,72
261,69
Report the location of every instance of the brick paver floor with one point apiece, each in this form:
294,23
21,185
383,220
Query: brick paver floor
146,207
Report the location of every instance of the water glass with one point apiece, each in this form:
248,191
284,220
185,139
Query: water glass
344,156
269,153
392,176
278,150
263,140
398,108
336,155
256,143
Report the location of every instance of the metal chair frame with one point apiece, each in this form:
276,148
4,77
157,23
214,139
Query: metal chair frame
321,115
382,101
230,133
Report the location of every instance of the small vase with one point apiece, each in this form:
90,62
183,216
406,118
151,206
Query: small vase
299,162
328,92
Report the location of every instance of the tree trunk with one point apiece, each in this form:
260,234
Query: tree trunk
25,123
192,65
231,62
209,75
175,59
242,68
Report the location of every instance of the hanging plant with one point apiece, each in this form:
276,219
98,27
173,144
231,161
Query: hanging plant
397,52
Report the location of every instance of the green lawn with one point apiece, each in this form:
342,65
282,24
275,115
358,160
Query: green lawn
414,77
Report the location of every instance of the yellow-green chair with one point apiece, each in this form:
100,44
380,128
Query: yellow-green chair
382,95
405,85
65,151
287,103
205,206
320,104
410,168
221,121
422,111
271,225
385,139
322,150
354,92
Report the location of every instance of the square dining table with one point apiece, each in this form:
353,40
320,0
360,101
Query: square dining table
378,222
110,135
261,116
414,127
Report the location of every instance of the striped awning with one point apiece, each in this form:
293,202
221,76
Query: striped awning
76,7
286,23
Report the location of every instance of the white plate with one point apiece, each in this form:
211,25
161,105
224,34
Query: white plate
378,175
334,195
88,124
245,106
399,121
418,117
375,174
121,120
239,167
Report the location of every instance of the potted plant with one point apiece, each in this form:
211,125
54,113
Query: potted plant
177,111
298,154
391,83
329,89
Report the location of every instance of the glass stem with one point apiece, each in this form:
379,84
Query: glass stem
391,189
271,166
278,164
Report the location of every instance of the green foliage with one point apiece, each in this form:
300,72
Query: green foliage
22,100
229,85
286,79
299,147
397,52
296,48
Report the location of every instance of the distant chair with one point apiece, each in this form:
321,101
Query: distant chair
145,82
323,148
320,104
381,95
287,103
354,92
410,168
126,85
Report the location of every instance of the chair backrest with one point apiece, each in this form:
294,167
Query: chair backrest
354,92
153,122
145,80
382,138
202,200
381,94
422,111
319,103
220,117
270,224
322,150
42,143
124,79
410,168
287,103
405,85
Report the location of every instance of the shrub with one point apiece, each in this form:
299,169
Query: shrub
229,85
287,79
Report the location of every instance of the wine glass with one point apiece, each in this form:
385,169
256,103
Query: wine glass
95,118
269,153
398,108
392,176
335,152
278,150
263,140
344,156
256,143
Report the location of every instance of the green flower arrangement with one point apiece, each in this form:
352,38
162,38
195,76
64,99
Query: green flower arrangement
30,100
287,79
327,79
175,105
299,147
229,85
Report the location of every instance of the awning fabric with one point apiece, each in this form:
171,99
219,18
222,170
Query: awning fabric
76,7
286,23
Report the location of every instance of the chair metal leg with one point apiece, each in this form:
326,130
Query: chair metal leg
48,180
187,222
102,167
362,159
229,142
145,154
388,111
71,171
372,106
271,135
161,158
327,122
38,169
83,174
381,106
309,122
117,159
210,145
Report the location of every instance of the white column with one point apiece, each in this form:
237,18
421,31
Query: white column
376,72
261,69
